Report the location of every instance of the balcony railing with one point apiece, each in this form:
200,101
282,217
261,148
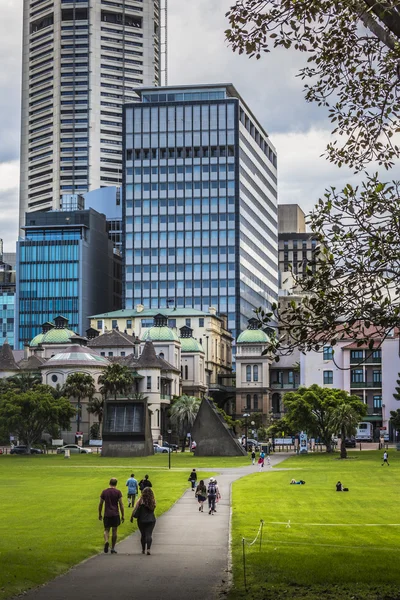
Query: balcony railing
367,360
284,386
366,384
165,397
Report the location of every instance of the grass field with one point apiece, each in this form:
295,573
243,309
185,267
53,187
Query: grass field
337,545
49,509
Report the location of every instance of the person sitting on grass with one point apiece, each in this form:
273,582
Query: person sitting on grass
340,488
300,482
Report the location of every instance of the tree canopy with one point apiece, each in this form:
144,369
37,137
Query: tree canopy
28,414
116,379
322,412
183,413
352,68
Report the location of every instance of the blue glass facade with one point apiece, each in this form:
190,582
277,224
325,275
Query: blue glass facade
65,267
7,317
186,195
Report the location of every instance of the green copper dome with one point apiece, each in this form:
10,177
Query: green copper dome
189,344
160,334
253,336
36,340
57,336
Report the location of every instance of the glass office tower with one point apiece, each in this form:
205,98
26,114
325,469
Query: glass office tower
65,266
200,210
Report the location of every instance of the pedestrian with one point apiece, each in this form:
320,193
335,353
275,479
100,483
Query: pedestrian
193,479
144,483
262,455
201,494
132,485
253,456
112,499
268,460
260,463
385,458
212,493
144,513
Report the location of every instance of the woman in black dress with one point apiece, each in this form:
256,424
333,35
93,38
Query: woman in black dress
144,513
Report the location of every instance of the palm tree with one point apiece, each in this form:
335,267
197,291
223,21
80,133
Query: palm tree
96,407
183,414
24,382
346,419
116,379
79,386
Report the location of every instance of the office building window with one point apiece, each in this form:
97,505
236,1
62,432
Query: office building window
255,373
377,354
328,377
171,322
129,323
188,322
328,352
248,402
291,377
248,373
201,322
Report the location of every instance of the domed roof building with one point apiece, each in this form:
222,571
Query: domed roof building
73,359
53,334
193,371
166,341
160,332
252,371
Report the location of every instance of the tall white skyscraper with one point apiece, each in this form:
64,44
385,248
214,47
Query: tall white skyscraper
81,62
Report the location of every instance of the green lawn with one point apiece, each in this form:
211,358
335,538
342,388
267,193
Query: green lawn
49,517
338,545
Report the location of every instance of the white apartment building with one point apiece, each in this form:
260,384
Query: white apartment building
81,62
369,374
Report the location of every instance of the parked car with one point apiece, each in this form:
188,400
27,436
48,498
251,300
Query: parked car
174,447
74,449
158,448
24,450
350,442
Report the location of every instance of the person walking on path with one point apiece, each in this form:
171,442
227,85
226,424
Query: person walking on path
213,494
144,483
385,458
201,494
132,485
253,456
193,479
112,499
144,513
260,464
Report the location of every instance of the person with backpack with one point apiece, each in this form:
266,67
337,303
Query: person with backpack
144,483
213,494
146,519
192,479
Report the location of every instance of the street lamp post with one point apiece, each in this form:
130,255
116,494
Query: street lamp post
169,449
245,416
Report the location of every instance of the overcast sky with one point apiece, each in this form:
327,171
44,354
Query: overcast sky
197,54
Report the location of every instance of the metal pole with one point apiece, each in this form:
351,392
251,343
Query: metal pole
261,532
169,452
244,564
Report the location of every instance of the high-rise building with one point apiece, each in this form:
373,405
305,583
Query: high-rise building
7,296
81,61
296,245
65,266
200,203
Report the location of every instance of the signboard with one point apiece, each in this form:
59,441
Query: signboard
303,443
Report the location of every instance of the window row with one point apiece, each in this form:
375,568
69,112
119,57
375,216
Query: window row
251,370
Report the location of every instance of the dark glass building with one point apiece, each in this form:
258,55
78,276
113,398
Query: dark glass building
200,210
65,266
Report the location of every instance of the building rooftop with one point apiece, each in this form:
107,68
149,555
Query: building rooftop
127,313
7,361
113,339
149,360
77,356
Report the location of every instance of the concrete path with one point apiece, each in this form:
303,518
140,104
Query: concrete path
189,559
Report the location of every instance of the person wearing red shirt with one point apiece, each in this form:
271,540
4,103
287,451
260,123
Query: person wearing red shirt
113,505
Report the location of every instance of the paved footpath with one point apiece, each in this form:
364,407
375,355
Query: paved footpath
189,559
